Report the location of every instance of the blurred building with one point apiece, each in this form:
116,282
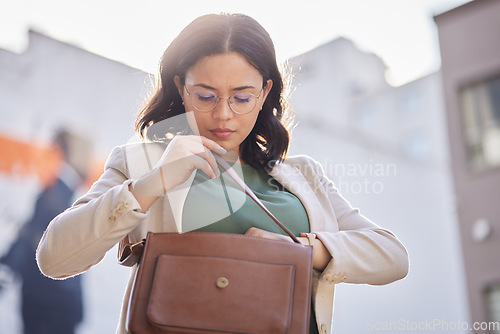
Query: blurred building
52,85
55,84
386,149
470,52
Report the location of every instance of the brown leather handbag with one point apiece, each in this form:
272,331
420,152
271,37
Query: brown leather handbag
203,282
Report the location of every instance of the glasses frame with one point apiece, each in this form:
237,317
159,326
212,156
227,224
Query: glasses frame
229,101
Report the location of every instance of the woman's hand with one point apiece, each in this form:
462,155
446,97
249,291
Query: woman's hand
257,232
321,255
183,155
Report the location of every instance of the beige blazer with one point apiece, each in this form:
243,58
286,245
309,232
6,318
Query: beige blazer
78,238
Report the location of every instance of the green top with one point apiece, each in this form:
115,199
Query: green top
220,205
235,211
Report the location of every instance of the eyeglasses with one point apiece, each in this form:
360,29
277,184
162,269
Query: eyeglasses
240,103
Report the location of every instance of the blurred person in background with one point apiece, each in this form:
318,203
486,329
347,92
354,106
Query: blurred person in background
50,306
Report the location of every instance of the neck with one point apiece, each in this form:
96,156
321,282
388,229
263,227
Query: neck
233,156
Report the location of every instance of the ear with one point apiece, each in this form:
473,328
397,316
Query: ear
267,89
180,88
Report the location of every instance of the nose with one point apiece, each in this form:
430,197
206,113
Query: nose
222,109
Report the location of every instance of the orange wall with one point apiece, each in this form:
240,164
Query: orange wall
23,158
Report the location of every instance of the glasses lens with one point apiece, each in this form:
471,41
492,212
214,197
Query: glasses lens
243,103
203,100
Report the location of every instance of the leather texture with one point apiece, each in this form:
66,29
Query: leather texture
130,254
267,286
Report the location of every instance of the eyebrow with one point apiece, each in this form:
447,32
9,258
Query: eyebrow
212,88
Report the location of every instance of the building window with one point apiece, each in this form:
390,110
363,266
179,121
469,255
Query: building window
481,113
493,301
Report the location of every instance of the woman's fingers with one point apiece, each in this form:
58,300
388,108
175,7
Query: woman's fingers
212,162
257,232
211,145
201,147
182,156
187,146
204,164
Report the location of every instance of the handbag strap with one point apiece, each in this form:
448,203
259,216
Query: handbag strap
223,163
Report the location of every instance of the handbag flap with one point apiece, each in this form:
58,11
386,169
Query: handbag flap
203,290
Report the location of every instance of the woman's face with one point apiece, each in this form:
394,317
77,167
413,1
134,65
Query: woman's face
224,75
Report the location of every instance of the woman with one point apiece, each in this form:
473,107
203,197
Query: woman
220,76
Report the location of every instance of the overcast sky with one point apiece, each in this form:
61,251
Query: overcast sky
135,32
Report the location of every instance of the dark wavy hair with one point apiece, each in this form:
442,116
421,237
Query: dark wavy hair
215,34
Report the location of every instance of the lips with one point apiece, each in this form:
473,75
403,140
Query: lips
222,133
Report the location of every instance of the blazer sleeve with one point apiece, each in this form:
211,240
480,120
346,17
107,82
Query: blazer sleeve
362,251
78,238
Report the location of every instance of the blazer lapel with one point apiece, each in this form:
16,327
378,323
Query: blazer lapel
293,180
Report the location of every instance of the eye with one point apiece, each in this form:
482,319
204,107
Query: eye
243,97
204,95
